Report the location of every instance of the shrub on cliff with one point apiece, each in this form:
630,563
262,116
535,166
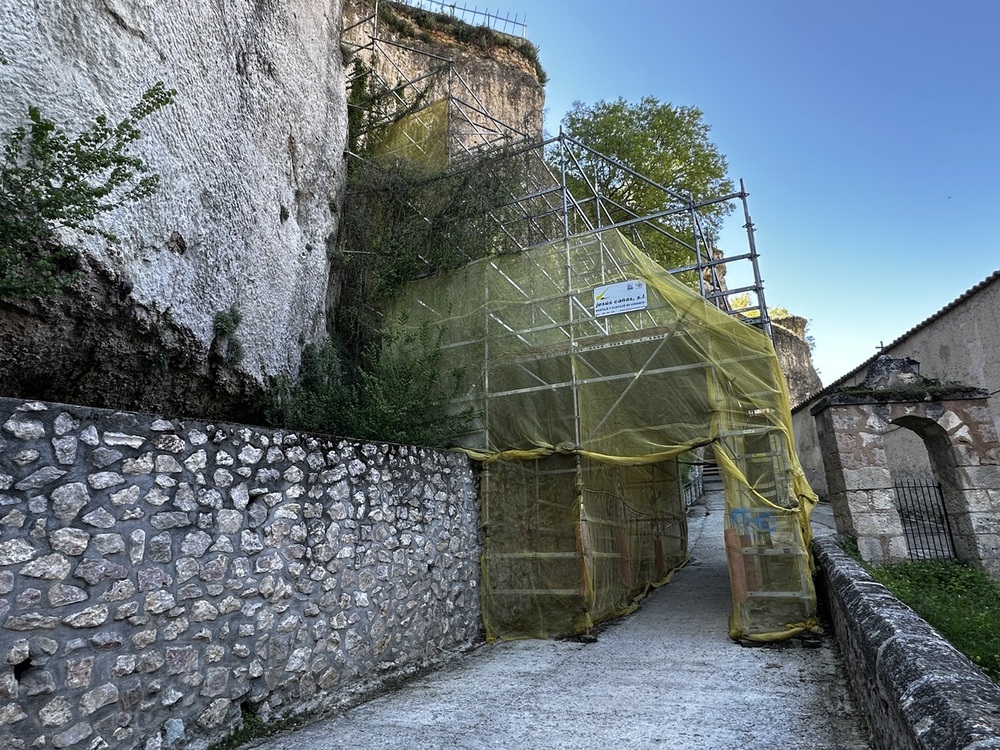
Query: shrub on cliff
50,181
398,395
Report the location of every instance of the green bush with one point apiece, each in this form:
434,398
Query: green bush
321,400
403,397
51,181
398,396
962,603
225,322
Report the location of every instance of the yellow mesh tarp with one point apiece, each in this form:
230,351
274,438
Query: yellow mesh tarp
590,370
420,137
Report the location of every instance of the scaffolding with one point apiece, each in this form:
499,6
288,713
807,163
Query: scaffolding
431,113
591,369
434,79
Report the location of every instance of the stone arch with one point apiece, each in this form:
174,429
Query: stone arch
939,449
964,453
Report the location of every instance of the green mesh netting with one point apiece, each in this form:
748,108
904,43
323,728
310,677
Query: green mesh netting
421,137
591,369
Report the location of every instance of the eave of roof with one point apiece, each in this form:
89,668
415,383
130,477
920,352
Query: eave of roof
965,297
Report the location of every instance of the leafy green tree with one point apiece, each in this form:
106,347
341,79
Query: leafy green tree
742,302
51,181
662,142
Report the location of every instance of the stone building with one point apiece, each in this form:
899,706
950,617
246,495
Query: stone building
939,428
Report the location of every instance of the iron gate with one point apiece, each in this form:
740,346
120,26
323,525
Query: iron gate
924,518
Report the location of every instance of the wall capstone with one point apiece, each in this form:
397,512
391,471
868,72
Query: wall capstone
916,689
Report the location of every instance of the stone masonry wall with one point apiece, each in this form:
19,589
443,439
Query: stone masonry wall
157,577
503,93
916,690
795,358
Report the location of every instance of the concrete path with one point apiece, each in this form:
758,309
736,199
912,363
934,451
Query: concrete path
666,677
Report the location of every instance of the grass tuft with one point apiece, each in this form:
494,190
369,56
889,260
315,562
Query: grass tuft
962,603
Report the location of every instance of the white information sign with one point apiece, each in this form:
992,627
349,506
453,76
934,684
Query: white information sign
625,296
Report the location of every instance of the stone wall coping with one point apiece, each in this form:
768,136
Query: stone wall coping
934,698
915,395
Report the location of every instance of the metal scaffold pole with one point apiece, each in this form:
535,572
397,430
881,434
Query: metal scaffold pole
765,319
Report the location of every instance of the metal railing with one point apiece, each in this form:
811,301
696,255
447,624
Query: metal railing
516,26
694,486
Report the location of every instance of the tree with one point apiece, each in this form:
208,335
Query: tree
668,145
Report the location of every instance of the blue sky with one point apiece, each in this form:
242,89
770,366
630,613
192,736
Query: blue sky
867,133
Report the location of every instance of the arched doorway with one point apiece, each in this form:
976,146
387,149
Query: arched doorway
953,425
920,463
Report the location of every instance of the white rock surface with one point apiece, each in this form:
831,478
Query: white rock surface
256,134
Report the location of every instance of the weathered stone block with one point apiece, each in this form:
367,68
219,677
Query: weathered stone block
91,617
158,602
867,478
170,520
60,595
107,640
54,567
41,478
93,571
23,427
72,542
78,672
15,551
100,519
73,735
38,682
103,695
196,544
56,713
170,444
142,464
149,661
101,458
31,621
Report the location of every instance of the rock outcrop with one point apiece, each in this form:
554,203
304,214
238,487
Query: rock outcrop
250,156
795,358
494,88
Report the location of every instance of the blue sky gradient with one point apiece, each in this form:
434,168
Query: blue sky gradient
867,133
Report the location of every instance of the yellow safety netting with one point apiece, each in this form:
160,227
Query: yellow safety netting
420,137
591,370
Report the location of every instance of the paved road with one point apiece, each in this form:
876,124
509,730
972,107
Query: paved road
666,677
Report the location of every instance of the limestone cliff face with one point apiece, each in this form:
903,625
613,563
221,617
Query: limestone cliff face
251,160
495,90
795,358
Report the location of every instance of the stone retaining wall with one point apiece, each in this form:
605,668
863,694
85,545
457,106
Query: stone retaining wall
158,576
916,690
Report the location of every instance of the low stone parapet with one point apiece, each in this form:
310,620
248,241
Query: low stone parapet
916,690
